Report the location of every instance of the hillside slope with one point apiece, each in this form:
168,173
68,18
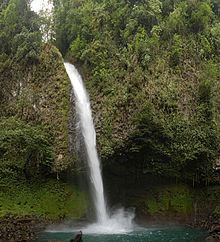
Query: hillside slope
152,71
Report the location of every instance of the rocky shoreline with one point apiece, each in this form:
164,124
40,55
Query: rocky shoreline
212,225
13,228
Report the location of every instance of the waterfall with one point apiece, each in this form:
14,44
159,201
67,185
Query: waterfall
83,110
120,221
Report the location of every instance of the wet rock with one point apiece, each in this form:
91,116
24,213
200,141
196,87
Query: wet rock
13,228
212,225
77,237
215,228
210,238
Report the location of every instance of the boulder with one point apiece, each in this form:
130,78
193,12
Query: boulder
77,237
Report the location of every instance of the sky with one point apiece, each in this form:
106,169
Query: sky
37,5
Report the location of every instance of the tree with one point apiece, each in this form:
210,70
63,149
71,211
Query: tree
13,19
26,46
177,21
200,17
24,148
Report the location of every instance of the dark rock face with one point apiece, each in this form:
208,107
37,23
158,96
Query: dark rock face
212,225
19,229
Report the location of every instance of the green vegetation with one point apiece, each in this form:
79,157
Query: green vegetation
177,202
20,35
176,198
152,70
24,149
46,199
34,110
35,113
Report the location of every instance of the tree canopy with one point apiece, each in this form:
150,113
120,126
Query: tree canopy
154,64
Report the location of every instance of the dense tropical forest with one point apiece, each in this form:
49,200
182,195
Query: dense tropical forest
152,70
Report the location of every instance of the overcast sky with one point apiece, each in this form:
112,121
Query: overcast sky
37,5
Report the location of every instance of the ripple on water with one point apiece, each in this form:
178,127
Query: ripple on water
172,234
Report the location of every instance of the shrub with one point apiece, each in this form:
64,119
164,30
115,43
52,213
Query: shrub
24,149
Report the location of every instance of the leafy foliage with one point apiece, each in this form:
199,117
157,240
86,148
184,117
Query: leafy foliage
20,41
49,199
24,149
144,65
15,18
27,46
34,109
179,198
201,16
174,148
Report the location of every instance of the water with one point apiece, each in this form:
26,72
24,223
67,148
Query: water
120,220
86,123
174,234
117,226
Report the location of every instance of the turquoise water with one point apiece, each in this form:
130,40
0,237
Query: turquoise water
177,234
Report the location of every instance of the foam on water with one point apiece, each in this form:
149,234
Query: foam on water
120,222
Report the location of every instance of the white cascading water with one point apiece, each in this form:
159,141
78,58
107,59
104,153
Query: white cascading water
120,221
86,122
